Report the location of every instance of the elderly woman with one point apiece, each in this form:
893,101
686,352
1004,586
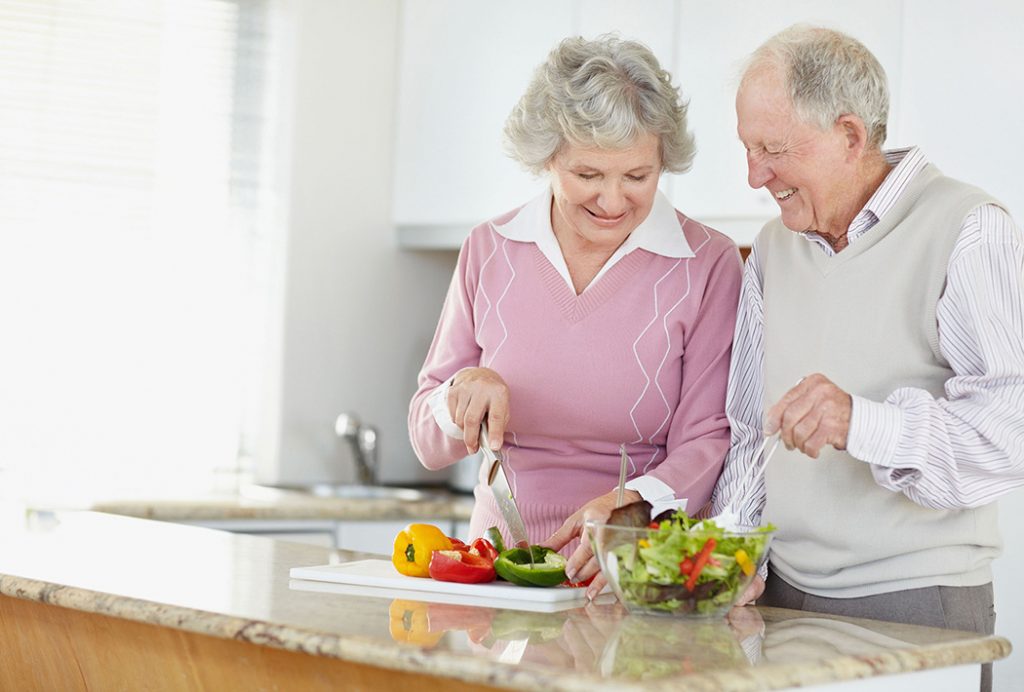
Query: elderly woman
593,316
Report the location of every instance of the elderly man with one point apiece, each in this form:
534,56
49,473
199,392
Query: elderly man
894,297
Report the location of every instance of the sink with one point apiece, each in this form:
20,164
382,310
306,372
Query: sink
370,492
344,492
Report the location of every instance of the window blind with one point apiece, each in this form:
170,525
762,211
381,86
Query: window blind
139,223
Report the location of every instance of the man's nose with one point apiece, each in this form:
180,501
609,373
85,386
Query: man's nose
758,173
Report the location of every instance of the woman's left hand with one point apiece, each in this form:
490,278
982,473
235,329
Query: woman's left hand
582,564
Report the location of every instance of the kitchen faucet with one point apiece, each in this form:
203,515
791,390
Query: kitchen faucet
362,440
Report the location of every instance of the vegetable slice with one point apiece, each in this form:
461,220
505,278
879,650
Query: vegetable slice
494,536
461,567
548,568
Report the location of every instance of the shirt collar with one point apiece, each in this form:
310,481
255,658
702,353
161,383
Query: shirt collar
906,164
658,233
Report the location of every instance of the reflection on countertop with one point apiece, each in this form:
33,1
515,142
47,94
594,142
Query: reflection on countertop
237,587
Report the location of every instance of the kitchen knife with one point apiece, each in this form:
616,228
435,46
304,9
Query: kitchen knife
506,502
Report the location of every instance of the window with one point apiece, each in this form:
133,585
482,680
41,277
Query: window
140,234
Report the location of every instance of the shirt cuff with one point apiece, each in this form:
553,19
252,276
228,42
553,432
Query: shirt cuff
875,430
651,489
437,400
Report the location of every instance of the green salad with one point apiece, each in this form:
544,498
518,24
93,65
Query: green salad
680,566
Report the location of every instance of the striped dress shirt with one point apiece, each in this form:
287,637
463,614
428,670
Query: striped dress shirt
963,450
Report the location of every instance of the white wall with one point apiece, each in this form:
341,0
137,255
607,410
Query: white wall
359,314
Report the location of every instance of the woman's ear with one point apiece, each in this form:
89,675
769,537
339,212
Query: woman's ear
855,133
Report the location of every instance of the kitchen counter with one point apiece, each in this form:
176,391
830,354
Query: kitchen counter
95,601
265,503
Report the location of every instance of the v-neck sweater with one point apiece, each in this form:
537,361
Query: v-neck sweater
640,358
866,318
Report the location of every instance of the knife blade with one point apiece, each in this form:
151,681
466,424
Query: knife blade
498,482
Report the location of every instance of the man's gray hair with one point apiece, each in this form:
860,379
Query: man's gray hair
829,74
603,93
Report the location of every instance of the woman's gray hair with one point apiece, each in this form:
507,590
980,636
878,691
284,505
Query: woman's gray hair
829,74
603,93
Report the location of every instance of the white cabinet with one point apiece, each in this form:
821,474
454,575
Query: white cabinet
963,93
714,39
463,66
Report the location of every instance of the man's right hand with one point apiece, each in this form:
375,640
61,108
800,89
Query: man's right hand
754,590
475,393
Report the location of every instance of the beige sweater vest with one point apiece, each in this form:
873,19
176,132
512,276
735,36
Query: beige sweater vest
865,318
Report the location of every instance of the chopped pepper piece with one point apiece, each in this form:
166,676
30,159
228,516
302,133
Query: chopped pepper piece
414,546
461,567
484,548
494,536
743,560
699,562
548,568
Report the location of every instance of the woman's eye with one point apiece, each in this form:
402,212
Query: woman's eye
637,178
587,176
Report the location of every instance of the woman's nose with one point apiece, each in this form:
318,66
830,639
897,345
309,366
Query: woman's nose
611,200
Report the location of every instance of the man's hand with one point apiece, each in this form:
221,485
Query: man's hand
753,591
475,393
811,415
582,564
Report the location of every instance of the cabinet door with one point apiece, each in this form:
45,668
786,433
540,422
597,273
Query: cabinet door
463,66
963,93
713,41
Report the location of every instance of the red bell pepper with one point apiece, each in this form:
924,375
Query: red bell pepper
460,567
698,563
459,545
484,548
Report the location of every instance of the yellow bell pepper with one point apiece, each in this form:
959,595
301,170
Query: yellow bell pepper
743,560
414,545
409,622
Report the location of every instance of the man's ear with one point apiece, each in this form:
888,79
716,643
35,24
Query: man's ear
855,133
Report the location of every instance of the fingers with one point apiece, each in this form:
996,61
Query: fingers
565,533
753,591
479,394
497,417
596,586
811,415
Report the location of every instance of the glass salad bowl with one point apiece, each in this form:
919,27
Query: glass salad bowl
678,566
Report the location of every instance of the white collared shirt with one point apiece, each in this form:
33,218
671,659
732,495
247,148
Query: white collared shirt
658,233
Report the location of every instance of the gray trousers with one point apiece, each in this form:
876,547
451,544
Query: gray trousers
966,608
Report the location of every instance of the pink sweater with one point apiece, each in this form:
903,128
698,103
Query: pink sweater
641,357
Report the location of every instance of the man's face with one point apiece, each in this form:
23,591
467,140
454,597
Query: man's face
804,168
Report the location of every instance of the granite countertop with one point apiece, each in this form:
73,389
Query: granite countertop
268,503
237,586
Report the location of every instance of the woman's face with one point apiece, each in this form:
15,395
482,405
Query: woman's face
601,195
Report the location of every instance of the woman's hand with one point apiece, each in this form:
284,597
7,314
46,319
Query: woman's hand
582,564
475,393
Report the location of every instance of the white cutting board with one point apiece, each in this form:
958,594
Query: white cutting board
382,574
